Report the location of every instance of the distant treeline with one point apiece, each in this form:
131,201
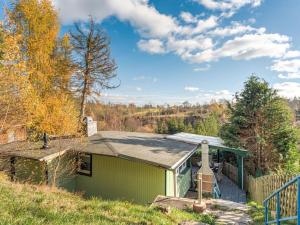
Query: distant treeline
199,119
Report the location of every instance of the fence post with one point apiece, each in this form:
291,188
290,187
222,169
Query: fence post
266,212
298,201
278,208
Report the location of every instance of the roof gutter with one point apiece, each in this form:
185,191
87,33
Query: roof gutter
184,158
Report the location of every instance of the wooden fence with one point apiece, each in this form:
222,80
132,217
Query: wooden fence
260,188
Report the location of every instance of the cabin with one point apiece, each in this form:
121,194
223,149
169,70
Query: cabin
114,164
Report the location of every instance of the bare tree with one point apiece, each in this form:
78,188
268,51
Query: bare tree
96,68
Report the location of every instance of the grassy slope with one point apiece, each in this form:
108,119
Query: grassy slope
27,204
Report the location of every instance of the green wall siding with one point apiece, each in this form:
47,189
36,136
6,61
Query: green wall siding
4,163
184,182
115,178
28,170
62,171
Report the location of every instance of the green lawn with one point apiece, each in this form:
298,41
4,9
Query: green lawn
26,204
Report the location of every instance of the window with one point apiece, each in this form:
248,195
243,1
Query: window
181,168
85,164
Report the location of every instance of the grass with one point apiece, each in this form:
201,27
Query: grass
257,214
27,204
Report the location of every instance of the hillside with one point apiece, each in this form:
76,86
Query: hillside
27,204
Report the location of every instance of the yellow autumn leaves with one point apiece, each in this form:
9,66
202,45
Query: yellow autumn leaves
35,71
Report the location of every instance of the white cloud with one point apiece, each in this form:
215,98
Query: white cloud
138,88
190,44
201,26
201,69
138,13
217,95
188,17
291,54
192,38
252,20
288,89
229,7
153,46
234,29
290,68
142,78
191,89
246,47
202,98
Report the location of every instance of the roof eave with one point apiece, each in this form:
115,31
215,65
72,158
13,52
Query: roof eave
184,158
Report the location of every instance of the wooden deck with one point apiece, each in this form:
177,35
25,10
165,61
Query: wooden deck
230,191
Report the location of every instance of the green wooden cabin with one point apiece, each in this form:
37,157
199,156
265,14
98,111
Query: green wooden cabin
110,164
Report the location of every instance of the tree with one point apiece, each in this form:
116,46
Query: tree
47,103
261,122
13,85
172,126
36,21
63,64
209,126
95,68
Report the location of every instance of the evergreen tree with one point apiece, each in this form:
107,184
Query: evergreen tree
180,125
209,126
172,126
189,128
261,122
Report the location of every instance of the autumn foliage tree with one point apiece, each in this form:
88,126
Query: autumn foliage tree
13,84
261,122
48,105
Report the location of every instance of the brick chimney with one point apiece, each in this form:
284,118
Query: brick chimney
205,170
91,126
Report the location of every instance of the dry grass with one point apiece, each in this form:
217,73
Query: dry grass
28,204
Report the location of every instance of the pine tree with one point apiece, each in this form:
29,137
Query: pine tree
261,122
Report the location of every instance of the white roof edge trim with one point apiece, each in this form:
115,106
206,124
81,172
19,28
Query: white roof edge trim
184,158
196,139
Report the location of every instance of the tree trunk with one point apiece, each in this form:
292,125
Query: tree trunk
83,102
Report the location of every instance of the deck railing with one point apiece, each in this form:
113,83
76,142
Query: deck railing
216,189
277,196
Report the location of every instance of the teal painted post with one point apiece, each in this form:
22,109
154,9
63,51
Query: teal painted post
266,212
240,161
278,208
298,201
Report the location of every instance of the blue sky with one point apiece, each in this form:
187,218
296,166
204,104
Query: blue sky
171,51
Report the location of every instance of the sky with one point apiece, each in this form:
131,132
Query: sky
171,51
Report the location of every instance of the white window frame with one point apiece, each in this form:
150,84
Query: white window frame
181,168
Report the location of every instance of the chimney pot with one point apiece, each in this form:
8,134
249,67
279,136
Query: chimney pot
45,140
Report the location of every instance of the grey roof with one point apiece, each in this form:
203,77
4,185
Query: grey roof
213,142
32,150
197,139
151,148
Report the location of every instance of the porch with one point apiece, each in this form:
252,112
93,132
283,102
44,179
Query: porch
225,164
